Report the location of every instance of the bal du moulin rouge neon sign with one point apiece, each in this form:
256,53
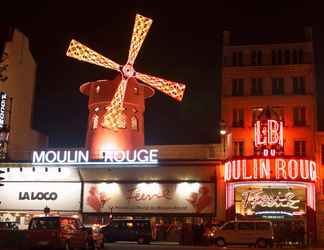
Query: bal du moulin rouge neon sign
268,163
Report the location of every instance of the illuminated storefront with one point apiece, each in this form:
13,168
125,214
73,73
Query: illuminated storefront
139,183
269,184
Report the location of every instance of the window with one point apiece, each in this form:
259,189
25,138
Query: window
257,88
98,89
322,154
237,87
240,58
277,86
134,123
295,57
229,226
279,57
255,114
274,57
259,57
136,91
300,148
246,226
238,118
300,56
280,112
238,148
287,57
237,58
44,223
299,116
263,226
299,85
254,57
95,121
121,121
234,59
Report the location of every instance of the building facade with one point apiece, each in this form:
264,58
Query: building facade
17,87
269,108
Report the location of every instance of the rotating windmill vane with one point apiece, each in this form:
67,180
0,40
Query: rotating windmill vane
115,109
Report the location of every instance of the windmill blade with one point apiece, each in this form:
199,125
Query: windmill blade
83,53
114,111
141,28
173,89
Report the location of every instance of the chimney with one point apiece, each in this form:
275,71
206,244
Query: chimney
308,33
226,37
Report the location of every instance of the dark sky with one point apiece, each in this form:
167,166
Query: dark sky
184,44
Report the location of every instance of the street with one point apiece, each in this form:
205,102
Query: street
172,246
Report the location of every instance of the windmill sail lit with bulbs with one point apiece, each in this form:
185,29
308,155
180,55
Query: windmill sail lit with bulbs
115,109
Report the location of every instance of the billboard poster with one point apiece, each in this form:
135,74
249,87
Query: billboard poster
185,198
57,196
267,200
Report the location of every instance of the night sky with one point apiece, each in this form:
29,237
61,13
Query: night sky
184,45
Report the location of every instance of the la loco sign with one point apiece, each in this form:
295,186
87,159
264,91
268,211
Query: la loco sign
270,169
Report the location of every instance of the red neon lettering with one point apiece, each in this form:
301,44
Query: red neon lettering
264,168
281,168
236,169
255,169
312,170
244,171
273,132
304,169
293,169
227,172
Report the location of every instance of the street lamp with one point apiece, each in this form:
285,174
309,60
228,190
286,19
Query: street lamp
223,131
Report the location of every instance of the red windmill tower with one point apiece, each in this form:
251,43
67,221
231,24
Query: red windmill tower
116,107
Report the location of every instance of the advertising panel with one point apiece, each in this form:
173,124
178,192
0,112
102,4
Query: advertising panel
270,201
193,198
37,195
3,109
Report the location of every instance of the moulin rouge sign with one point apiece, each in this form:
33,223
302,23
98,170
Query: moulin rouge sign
268,163
270,169
110,157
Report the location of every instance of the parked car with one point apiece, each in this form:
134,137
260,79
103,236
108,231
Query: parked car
245,232
95,238
128,230
55,232
8,225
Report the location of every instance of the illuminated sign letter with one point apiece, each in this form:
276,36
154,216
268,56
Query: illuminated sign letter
154,155
265,168
281,169
244,171
236,169
273,132
304,169
312,170
292,169
227,171
38,157
255,169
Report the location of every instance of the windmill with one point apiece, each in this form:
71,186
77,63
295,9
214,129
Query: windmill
114,110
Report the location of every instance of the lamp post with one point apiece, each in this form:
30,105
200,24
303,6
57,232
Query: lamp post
223,132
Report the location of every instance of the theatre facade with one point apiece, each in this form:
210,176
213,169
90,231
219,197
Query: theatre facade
168,184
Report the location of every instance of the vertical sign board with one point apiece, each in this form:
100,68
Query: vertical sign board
3,108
